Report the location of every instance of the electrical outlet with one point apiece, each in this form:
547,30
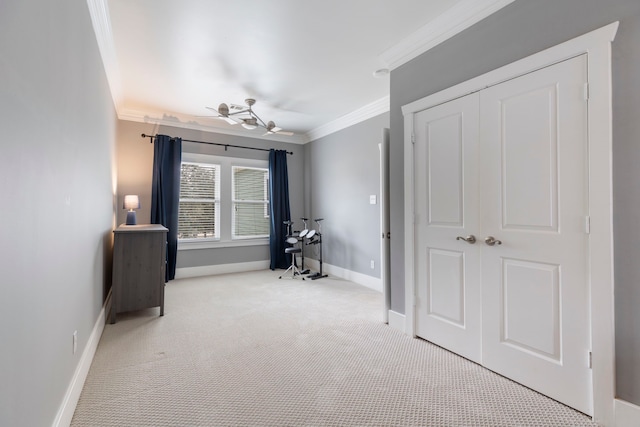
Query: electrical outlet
75,341
373,264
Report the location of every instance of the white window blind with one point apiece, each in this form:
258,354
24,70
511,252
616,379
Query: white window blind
250,202
198,216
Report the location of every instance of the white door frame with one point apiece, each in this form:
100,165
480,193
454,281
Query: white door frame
597,45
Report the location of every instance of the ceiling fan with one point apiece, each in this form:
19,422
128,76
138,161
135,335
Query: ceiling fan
245,116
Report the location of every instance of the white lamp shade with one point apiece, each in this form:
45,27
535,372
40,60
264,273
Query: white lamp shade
131,202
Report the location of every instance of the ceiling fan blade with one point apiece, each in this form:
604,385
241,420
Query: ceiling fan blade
222,115
229,120
226,119
238,108
280,132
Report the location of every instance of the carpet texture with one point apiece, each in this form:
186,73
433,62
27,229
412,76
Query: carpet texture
251,350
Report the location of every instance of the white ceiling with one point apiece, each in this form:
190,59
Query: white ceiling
309,64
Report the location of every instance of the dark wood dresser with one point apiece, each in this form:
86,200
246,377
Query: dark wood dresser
139,262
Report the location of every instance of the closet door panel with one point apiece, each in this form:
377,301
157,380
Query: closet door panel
445,146
534,198
448,307
446,286
531,307
530,155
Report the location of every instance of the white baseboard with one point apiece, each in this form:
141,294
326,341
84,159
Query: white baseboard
370,282
627,414
397,321
71,397
212,270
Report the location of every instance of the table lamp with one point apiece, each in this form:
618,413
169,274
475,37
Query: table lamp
131,202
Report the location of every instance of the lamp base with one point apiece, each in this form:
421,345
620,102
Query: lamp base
131,218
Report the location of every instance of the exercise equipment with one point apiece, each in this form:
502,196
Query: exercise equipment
315,238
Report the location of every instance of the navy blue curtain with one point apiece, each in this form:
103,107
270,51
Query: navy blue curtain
279,208
165,193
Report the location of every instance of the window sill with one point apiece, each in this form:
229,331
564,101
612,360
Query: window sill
211,244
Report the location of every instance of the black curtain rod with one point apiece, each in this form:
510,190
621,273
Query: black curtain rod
214,143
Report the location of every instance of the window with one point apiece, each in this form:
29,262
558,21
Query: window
224,201
250,202
199,201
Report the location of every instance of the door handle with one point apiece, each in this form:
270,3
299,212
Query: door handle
469,239
490,240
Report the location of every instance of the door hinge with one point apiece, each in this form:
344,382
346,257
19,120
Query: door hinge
590,360
586,91
413,138
587,224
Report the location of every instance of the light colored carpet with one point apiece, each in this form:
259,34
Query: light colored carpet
251,350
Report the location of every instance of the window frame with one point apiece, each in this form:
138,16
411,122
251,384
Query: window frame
225,238
216,201
265,202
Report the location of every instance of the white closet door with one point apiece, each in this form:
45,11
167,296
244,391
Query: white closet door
448,310
535,201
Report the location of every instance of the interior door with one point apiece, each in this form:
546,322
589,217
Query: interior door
448,310
385,225
535,202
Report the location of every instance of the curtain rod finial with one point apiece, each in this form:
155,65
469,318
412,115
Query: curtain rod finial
148,136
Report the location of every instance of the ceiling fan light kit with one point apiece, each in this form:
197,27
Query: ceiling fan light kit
223,109
251,122
271,126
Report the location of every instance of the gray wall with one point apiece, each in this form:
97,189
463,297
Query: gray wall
57,186
135,166
519,30
343,170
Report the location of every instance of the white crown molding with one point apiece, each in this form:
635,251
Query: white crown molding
361,114
99,12
185,123
455,20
